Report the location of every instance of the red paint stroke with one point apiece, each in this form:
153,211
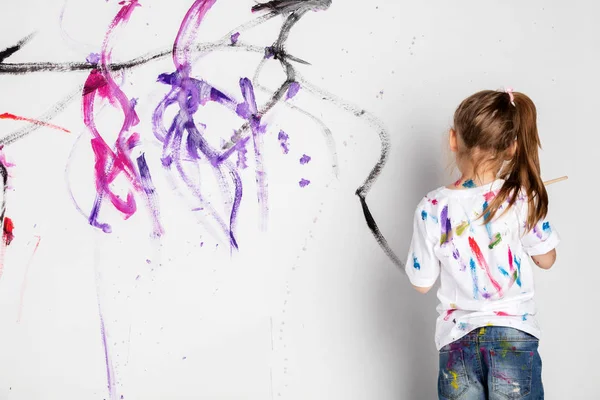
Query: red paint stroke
32,121
502,314
449,313
510,261
7,238
481,260
8,235
24,284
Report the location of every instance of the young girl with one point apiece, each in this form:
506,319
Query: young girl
480,235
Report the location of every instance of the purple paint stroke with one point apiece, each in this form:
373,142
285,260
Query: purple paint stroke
235,37
445,225
189,94
304,182
293,90
257,131
151,195
283,141
305,159
110,373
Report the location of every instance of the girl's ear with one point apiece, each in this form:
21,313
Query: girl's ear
453,140
512,150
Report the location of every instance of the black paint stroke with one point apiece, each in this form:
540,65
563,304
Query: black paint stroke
290,6
9,51
363,190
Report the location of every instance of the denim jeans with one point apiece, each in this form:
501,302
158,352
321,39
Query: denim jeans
495,363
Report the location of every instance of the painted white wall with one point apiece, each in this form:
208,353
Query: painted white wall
311,308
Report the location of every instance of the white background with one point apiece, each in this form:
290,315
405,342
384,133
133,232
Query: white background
311,308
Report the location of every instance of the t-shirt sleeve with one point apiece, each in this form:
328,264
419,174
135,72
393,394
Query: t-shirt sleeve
422,265
539,240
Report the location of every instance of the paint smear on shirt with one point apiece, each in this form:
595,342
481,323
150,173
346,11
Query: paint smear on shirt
483,263
497,239
518,271
448,314
460,229
416,264
474,275
446,226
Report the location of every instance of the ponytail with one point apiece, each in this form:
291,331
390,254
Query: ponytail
522,173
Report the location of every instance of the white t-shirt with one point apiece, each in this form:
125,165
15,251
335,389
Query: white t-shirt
485,269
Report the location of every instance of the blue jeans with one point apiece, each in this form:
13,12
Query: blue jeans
495,363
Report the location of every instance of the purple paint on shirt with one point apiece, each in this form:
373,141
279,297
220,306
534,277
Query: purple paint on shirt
235,37
304,182
305,159
293,90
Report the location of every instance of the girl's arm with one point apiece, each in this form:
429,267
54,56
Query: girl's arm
545,261
422,290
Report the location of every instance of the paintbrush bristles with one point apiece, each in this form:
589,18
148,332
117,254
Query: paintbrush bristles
551,181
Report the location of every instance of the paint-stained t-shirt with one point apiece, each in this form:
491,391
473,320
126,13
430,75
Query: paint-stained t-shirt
485,270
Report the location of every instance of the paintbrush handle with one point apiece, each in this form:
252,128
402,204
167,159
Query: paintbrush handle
551,181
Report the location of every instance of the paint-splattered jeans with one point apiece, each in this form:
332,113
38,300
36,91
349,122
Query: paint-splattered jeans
495,363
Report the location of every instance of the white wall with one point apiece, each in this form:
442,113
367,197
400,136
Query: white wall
311,308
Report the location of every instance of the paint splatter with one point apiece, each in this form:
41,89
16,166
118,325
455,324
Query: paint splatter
503,271
234,38
304,182
463,326
423,215
524,317
93,58
305,159
502,314
283,141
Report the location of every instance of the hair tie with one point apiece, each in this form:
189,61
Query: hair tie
509,90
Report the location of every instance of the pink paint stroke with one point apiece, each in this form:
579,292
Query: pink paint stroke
111,163
25,275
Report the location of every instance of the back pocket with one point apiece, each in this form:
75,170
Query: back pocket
511,372
452,379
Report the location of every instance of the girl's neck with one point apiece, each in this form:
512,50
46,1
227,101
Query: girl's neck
468,181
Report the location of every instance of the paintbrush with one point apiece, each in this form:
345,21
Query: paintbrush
551,181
